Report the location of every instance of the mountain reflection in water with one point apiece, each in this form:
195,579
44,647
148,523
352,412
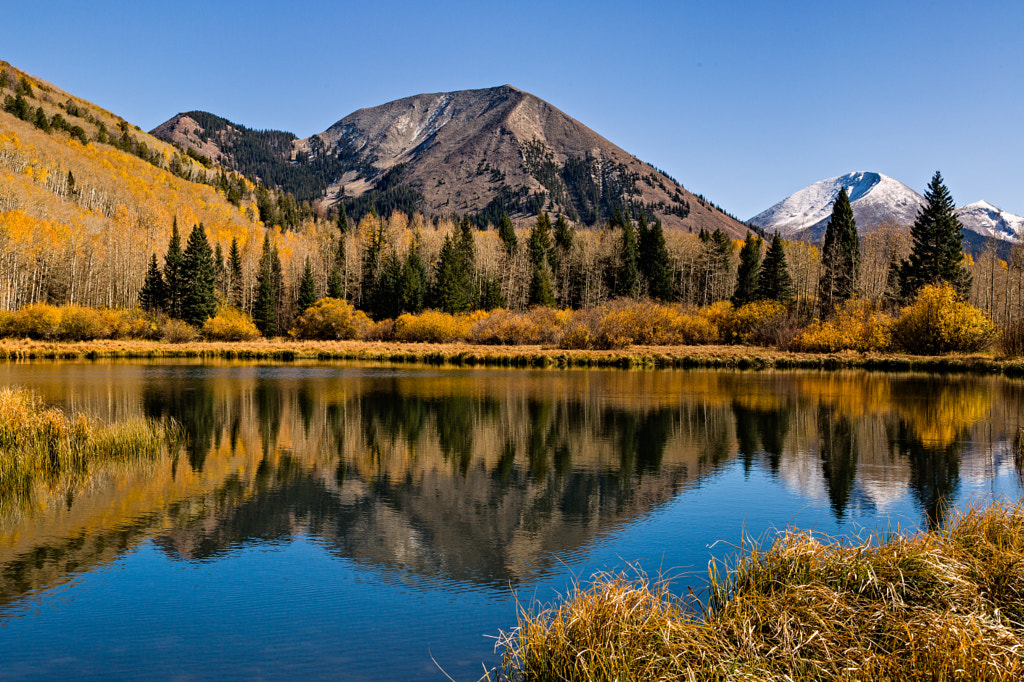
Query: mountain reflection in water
483,476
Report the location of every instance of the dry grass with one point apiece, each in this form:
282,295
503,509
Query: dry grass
464,354
946,605
43,444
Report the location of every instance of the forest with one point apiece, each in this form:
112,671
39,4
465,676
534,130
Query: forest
90,219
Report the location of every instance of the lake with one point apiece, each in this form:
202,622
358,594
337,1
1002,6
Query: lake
368,522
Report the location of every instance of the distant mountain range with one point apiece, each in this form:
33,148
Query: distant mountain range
876,198
479,152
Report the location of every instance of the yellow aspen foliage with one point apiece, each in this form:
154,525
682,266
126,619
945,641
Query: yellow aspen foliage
939,321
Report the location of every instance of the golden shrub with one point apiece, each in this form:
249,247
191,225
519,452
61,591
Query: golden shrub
330,319
230,324
857,325
82,324
539,325
177,331
131,324
939,321
757,322
434,326
37,321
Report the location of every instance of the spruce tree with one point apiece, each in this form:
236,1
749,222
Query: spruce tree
413,292
199,279
840,256
451,289
774,283
541,289
507,234
151,297
627,276
342,221
334,286
748,271
559,259
937,253
173,276
655,262
235,274
265,306
221,270
307,289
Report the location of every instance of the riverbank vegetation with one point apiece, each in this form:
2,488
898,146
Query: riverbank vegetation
946,604
45,445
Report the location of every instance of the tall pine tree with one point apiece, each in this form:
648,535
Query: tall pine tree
199,279
307,289
541,289
151,297
173,278
235,274
774,282
654,260
268,290
937,253
748,271
627,276
840,257
451,285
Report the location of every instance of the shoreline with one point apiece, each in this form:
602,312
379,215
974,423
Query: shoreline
470,355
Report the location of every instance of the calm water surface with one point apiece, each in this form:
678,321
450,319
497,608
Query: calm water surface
361,522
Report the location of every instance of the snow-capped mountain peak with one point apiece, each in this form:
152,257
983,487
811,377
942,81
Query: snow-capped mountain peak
874,198
988,220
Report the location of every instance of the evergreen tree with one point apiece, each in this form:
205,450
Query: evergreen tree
414,281
335,289
342,221
221,270
387,303
235,274
840,256
451,288
490,294
559,259
173,277
627,276
937,254
199,279
265,307
655,262
541,290
774,282
307,289
151,297
507,234
748,271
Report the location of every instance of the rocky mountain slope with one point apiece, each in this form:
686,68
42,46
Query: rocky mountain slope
875,198
479,152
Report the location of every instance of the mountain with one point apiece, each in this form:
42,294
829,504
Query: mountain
876,198
989,221
478,152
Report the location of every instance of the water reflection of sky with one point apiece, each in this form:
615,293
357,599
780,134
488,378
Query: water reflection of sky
363,519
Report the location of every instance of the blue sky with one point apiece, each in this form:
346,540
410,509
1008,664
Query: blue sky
744,102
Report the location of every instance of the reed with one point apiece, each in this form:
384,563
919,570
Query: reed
943,605
40,444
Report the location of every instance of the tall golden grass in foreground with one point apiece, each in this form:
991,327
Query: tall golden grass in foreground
43,444
943,605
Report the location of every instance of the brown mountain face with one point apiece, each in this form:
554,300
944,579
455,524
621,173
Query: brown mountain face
468,152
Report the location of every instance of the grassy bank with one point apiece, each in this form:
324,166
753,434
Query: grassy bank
462,354
43,445
942,605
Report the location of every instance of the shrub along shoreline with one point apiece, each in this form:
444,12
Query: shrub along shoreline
947,604
469,355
